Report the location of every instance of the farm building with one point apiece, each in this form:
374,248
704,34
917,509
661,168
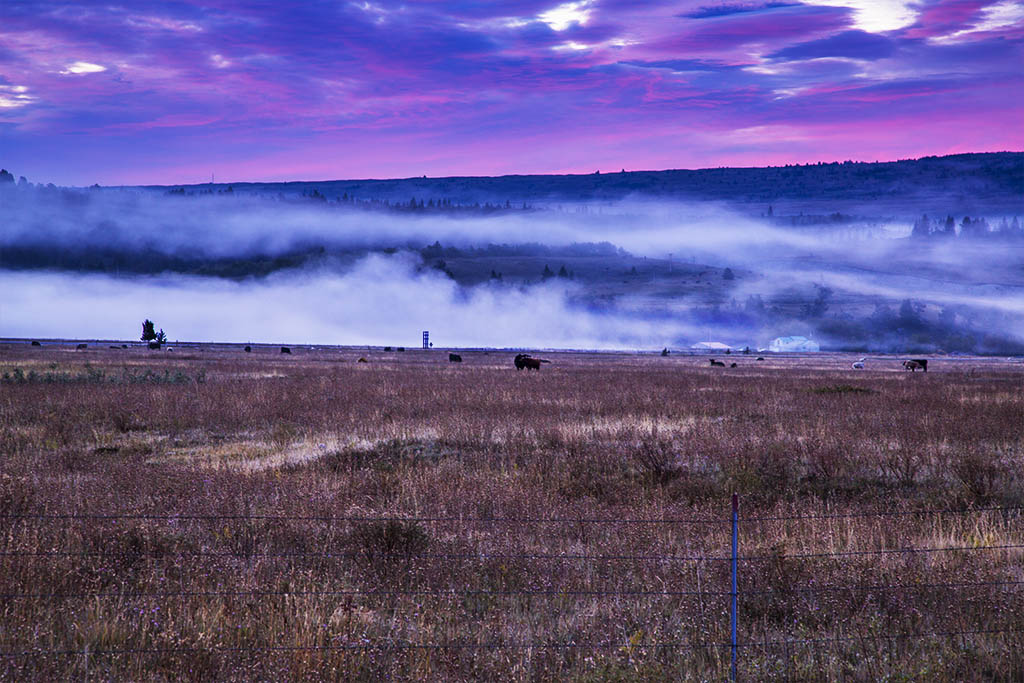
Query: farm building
793,344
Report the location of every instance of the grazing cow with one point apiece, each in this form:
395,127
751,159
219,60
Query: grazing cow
760,357
401,349
717,363
524,360
387,348
454,358
35,343
114,347
732,365
362,360
82,346
285,349
859,365
916,363
124,346
248,349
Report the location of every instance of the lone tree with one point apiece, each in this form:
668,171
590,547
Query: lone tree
149,334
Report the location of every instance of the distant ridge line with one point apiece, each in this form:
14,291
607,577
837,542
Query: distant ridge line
947,183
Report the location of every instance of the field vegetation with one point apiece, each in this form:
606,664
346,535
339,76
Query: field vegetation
214,514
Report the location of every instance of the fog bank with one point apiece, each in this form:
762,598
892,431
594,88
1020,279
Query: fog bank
383,300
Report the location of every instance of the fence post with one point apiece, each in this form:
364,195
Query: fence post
735,552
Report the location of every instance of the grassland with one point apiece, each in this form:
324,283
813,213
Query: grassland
211,514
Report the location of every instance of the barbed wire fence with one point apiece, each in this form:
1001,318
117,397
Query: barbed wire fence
740,566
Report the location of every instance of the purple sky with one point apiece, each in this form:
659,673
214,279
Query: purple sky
168,92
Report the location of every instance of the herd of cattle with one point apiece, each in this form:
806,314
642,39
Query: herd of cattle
524,361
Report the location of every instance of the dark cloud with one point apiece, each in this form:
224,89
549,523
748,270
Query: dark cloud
726,10
681,65
779,26
853,44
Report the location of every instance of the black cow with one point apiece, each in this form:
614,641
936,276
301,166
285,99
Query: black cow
914,363
717,363
248,349
35,343
454,358
524,360
82,346
285,349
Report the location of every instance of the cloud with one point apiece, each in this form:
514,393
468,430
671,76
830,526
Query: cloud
12,96
328,89
83,68
725,10
876,16
853,44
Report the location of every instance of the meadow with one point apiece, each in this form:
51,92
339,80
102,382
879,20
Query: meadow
213,514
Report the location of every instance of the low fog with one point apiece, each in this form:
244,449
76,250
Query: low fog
220,225
383,300
635,274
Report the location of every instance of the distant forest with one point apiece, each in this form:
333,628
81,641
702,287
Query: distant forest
962,180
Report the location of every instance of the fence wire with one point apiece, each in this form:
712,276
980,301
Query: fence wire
13,555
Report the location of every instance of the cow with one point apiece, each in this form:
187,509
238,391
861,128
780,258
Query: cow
285,349
35,343
859,365
401,349
915,363
387,348
760,357
248,349
362,360
524,360
82,346
732,365
454,358
717,363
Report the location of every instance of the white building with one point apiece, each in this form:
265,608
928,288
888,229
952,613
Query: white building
780,344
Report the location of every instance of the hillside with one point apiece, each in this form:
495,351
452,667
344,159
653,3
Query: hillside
962,183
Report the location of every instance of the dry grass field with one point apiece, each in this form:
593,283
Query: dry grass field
211,514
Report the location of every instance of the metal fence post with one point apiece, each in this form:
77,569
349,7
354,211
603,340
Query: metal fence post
735,553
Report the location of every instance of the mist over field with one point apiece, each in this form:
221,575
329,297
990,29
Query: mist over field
639,272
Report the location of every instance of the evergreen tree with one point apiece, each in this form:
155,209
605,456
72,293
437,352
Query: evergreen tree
148,331
922,227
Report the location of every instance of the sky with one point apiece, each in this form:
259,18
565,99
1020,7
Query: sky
171,92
